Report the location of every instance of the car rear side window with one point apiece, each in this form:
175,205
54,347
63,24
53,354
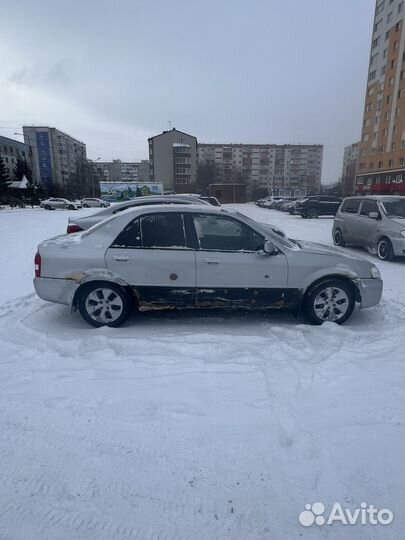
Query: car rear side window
351,206
367,207
130,236
163,231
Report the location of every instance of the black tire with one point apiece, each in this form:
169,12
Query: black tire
47,207
85,206
117,294
71,207
304,216
384,250
316,295
338,239
312,213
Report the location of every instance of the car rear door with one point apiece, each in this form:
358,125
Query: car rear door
232,268
152,255
367,226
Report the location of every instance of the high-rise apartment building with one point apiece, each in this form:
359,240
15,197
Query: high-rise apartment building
59,161
280,169
121,171
10,150
350,157
381,161
173,160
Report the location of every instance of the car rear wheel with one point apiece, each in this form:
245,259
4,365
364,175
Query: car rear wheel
104,304
338,238
384,250
330,300
85,206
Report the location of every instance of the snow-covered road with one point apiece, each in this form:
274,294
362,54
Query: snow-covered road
194,426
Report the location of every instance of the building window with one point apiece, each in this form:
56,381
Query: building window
390,16
369,107
400,7
372,75
365,137
393,145
390,163
380,164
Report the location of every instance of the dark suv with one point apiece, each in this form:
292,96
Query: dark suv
318,205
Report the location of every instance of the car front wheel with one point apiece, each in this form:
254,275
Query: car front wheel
104,304
313,213
384,250
330,300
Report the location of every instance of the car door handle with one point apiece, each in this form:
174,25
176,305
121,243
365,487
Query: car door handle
121,258
211,260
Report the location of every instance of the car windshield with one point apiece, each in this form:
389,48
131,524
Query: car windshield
394,208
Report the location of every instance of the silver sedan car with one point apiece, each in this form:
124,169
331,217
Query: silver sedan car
84,223
198,256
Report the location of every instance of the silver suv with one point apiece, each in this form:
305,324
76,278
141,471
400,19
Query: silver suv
198,256
375,222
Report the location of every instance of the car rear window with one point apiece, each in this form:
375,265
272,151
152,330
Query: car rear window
351,206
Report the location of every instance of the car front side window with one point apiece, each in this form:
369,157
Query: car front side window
217,233
367,207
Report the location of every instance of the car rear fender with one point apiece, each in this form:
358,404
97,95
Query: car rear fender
88,276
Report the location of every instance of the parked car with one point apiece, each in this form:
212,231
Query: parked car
375,222
198,256
318,205
85,222
292,207
53,203
94,202
271,202
211,200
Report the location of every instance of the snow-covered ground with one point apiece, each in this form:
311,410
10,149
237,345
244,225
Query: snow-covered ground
194,426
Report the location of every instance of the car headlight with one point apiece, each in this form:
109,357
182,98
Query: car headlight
375,273
402,233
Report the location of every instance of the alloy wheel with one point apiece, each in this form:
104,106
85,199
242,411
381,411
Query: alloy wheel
104,305
331,304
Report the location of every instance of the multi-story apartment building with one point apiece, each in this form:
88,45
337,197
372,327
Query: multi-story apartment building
381,162
121,171
350,157
280,169
173,160
59,161
10,149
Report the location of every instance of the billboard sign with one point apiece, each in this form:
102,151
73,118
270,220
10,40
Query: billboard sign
124,191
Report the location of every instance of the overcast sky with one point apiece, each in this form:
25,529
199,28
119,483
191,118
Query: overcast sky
113,73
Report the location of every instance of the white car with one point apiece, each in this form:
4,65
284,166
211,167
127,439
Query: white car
196,256
53,203
94,202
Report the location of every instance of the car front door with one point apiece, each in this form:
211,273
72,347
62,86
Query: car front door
152,255
232,268
367,226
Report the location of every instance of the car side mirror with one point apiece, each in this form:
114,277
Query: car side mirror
374,215
269,248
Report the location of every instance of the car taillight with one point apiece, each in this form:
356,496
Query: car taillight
73,228
37,262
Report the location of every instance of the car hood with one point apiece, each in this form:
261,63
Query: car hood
321,249
401,221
